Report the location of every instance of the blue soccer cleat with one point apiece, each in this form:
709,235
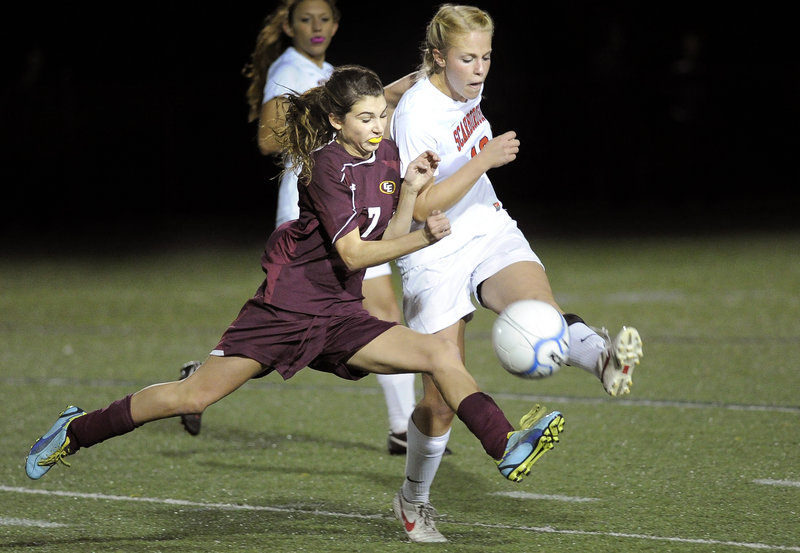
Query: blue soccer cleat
538,434
53,446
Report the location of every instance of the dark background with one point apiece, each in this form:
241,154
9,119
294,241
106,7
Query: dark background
130,120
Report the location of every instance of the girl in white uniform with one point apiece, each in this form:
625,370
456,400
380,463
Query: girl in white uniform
291,72
486,255
310,25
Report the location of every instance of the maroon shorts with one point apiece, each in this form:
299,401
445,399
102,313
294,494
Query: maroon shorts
286,341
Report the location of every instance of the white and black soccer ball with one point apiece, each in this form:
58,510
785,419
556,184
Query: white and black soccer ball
531,339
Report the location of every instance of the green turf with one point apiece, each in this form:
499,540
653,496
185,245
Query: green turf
302,466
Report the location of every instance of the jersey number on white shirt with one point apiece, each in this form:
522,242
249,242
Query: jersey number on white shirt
484,140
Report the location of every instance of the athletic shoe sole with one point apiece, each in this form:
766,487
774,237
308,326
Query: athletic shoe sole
627,349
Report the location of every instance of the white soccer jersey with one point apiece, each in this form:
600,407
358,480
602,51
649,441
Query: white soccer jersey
292,72
439,280
427,119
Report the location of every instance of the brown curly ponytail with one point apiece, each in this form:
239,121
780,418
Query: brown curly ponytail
307,125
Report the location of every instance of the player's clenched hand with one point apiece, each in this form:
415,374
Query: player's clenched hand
501,149
420,171
437,226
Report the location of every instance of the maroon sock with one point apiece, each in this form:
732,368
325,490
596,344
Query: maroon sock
486,420
92,428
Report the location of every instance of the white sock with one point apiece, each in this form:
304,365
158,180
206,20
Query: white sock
585,347
398,389
422,461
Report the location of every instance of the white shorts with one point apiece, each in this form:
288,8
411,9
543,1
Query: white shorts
436,296
378,271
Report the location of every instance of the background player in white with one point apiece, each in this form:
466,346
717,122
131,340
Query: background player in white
486,255
289,56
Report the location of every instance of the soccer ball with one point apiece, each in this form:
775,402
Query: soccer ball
531,339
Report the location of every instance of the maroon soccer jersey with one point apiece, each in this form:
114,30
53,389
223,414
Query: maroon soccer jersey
304,272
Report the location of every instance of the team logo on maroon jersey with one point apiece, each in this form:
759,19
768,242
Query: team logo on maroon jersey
387,187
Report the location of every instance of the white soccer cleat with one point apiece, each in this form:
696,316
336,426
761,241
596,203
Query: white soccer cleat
417,519
615,365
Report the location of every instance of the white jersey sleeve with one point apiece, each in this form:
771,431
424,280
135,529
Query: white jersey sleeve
293,72
282,80
412,132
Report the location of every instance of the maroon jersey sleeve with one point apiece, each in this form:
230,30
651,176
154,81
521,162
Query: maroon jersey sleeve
330,196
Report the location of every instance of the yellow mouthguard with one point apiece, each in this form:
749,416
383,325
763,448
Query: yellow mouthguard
376,140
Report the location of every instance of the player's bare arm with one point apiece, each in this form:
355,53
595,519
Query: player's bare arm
358,253
273,116
394,90
497,152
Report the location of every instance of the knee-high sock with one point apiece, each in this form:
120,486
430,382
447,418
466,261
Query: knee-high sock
486,420
96,426
398,390
585,346
423,456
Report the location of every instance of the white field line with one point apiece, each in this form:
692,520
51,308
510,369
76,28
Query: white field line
534,529
770,482
376,390
11,521
546,497
650,403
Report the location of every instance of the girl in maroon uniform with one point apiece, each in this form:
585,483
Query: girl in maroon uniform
290,55
354,212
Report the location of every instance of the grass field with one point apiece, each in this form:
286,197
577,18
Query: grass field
703,456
